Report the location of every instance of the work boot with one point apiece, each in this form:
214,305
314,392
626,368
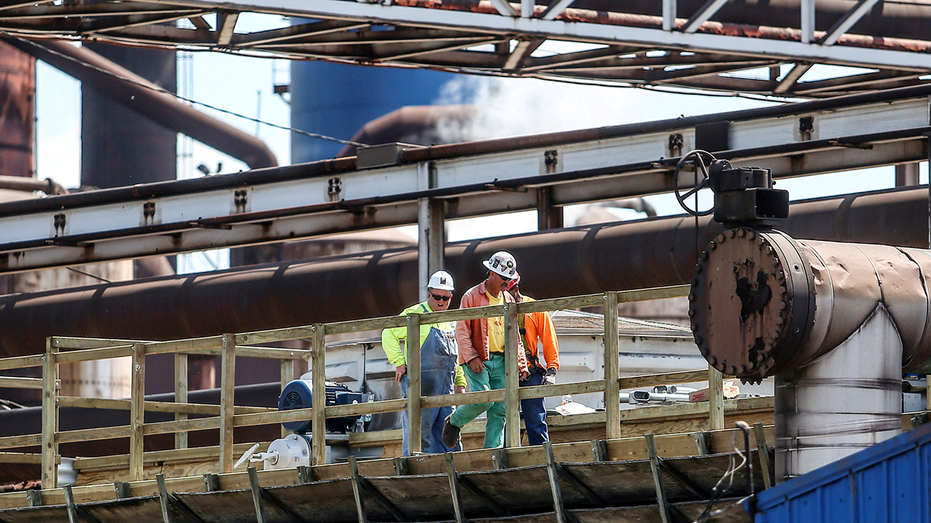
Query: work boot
450,433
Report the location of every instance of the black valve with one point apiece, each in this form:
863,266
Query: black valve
743,196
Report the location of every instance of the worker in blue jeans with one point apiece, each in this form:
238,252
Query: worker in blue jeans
439,369
536,330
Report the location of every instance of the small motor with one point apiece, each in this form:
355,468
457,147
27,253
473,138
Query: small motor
298,395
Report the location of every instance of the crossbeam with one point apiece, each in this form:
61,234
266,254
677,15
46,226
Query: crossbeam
480,178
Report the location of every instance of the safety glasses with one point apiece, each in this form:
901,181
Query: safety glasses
437,297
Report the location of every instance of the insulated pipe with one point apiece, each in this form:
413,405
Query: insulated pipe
763,303
148,99
622,255
834,322
846,401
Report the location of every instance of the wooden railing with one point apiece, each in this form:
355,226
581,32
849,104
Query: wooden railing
229,346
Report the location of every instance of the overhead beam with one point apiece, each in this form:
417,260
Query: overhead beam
512,23
476,179
226,27
704,13
847,21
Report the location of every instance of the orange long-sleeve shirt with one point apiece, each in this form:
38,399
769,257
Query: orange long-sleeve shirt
539,330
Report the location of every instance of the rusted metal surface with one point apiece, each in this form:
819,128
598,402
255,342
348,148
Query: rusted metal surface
17,111
890,39
617,256
763,303
144,97
22,183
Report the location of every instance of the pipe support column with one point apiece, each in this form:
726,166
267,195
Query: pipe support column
844,402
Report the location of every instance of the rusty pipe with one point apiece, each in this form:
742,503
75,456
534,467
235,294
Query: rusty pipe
908,19
146,98
763,303
615,256
22,183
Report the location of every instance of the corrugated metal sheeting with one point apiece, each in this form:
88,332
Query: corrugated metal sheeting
889,482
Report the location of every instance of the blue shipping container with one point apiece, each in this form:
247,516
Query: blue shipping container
888,482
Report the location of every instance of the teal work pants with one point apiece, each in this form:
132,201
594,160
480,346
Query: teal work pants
490,378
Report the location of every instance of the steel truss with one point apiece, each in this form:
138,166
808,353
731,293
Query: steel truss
711,45
542,172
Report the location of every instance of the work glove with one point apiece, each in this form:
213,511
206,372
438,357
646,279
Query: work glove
550,377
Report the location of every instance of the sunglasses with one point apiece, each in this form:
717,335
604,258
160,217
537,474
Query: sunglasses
437,297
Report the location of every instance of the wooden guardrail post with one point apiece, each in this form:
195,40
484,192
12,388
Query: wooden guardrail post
318,392
49,416
511,377
181,395
287,374
137,413
715,398
412,344
227,401
612,369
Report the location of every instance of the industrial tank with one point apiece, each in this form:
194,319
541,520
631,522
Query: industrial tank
337,100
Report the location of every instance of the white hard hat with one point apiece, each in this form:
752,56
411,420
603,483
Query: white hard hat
442,280
503,264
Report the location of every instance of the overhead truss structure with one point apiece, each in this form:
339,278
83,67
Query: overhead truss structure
767,48
544,172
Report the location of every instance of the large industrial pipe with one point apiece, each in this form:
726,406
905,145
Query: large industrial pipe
146,98
763,303
834,322
623,255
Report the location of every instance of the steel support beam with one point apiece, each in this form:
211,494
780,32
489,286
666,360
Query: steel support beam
511,22
473,179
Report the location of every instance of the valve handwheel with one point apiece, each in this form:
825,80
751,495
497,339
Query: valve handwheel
700,159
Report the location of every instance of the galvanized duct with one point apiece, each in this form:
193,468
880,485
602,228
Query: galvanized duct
623,255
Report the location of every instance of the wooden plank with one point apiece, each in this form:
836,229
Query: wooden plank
511,377
414,394
137,413
27,440
49,416
227,389
123,351
658,480
164,503
763,451
71,508
22,362
13,382
272,353
181,395
555,490
274,335
170,427
318,391
67,342
612,368
357,490
670,378
158,456
454,487
155,406
196,345
287,375
256,496
715,398
654,293
22,458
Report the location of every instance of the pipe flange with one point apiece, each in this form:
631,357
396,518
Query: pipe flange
741,303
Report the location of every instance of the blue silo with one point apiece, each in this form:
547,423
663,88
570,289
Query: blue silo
337,100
